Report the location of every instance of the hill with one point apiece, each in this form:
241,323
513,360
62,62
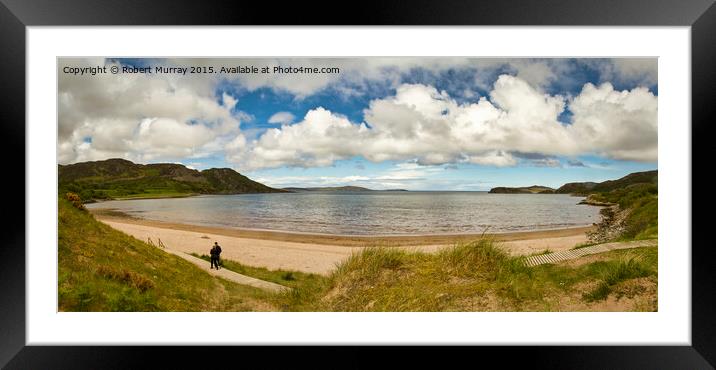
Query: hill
329,188
585,188
534,189
576,188
630,206
119,178
102,269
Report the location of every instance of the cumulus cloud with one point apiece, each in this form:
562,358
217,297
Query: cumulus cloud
358,74
638,71
283,118
320,139
616,124
407,175
426,125
140,117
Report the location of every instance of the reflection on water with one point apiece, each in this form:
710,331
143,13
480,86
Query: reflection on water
369,213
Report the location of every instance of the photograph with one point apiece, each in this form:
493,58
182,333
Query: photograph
357,184
302,188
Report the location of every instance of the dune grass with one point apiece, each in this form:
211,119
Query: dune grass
476,276
611,273
102,269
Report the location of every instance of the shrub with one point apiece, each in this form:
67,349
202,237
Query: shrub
75,200
127,277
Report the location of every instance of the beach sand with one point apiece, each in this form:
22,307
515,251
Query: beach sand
319,253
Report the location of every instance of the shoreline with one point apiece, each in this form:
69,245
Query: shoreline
342,240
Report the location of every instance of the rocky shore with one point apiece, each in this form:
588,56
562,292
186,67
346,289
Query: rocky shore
612,225
593,202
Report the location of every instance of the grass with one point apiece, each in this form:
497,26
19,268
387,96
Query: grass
156,195
475,276
291,279
543,252
129,189
102,269
642,201
614,272
583,245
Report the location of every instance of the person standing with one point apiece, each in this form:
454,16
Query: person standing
215,253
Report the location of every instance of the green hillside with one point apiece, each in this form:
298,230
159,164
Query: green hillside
637,198
102,269
585,188
119,178
576,188
534,189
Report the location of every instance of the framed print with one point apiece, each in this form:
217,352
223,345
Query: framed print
491,183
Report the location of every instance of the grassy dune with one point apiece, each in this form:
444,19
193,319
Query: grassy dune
102,269
476,276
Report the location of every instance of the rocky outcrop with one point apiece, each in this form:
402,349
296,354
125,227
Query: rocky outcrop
590,200
611,226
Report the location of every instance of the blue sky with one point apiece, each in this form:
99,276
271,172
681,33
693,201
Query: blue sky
411,123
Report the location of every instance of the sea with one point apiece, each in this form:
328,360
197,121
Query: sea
368,213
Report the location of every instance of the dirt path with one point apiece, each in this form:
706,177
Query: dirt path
228,274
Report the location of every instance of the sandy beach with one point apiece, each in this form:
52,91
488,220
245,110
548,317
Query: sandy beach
318,253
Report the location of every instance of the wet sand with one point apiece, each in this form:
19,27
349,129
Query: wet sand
319,253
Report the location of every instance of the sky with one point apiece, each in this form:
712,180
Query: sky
439,123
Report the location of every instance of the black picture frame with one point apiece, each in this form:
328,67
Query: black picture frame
16,15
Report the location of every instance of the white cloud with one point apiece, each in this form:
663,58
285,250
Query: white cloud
537,73
356,74
140,117
229,101
319,140
618,124
426,125
639,71
406,175
283,118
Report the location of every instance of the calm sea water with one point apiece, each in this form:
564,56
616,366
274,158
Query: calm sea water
368,213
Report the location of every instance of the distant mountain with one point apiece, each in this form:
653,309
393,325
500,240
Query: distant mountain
119,178
336,188
576,188
534,189
584,188
328,188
